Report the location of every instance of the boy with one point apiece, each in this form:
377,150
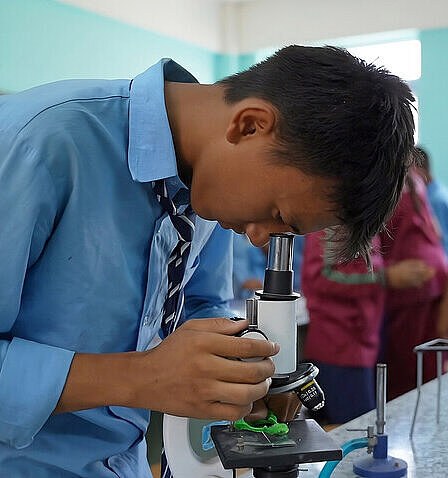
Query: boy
101,251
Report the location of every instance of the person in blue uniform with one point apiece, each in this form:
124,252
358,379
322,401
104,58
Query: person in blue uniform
109,188
437,195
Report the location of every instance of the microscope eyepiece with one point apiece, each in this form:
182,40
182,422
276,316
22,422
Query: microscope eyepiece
280,252
278,278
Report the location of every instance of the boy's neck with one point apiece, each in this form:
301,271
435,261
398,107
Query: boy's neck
193,114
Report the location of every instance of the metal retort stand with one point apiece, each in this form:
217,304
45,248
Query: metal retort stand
437,346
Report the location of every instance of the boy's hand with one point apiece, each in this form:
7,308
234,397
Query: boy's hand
193,372
285,406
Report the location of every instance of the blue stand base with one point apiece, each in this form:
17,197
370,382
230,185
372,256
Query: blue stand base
380,465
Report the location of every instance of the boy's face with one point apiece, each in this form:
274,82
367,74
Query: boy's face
244,190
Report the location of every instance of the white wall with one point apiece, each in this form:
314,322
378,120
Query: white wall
194,21
267,23
229,26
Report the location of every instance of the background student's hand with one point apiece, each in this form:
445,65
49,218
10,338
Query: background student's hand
408,273
285,406
442,318
193,372
252,284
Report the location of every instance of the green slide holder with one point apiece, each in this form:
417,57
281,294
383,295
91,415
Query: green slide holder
267,425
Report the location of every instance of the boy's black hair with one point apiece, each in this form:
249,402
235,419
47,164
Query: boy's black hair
423,159
339,118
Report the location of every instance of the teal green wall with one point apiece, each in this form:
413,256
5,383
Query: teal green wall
433,99
225,65
43,40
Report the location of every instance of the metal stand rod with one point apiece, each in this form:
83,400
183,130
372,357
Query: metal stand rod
419,386
381,384
439,383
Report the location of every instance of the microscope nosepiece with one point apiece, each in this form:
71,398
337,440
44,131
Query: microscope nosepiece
311,395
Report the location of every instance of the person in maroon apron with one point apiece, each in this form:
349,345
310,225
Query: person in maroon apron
411,312
345,304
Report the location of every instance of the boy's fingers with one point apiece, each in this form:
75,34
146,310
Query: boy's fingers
259,411
220,325
241,394
227,411
240,347
236,371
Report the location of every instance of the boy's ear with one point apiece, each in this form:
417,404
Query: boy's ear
249,120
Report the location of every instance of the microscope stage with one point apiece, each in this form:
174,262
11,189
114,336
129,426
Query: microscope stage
306,442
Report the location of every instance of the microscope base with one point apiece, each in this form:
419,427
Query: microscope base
289,473
306,442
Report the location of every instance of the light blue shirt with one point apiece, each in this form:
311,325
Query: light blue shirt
84,247
438,198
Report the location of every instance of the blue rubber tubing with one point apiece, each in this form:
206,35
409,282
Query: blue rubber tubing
347,448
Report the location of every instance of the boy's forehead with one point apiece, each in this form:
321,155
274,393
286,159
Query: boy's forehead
311,217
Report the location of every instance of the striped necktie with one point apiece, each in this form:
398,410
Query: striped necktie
184,225
174,300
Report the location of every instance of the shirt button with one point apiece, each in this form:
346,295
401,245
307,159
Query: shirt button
146,320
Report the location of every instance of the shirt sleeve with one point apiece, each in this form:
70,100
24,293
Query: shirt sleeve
241,268
32,375
210,288
440,209
299,245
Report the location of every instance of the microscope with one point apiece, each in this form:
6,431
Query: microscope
272,316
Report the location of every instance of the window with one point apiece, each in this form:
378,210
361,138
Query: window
401,58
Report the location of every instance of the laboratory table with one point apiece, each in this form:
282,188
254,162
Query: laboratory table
426,454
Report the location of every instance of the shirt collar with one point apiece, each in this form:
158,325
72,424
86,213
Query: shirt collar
151,153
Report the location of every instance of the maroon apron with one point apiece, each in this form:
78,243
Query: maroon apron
345,311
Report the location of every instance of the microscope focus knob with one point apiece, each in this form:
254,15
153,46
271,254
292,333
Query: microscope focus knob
253,334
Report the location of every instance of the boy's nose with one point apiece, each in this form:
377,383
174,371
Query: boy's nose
258,234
